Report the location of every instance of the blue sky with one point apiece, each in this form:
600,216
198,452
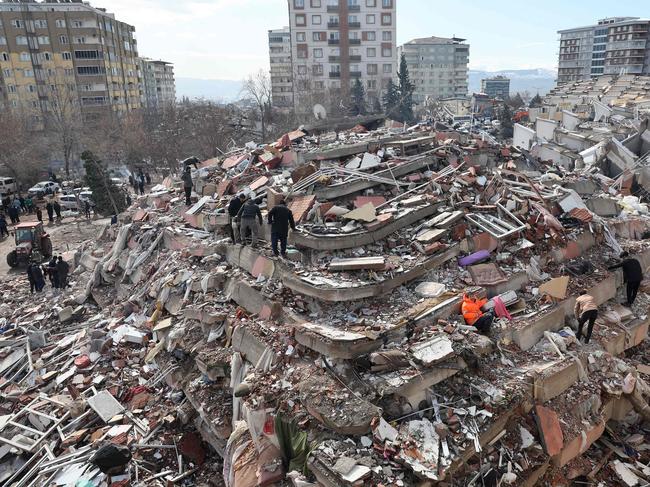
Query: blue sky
227,39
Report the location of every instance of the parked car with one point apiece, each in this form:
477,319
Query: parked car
43,188
68,202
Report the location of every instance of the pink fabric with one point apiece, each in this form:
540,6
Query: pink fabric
500,308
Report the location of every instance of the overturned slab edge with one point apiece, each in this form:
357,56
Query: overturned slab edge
323,242
343,189
355,293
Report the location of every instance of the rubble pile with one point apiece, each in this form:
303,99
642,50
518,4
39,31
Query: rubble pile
348,362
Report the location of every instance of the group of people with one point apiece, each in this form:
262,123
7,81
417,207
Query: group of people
585,309
19,205
56,270
246,218
138,181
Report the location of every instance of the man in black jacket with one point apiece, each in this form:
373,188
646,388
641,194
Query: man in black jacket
280,218
246,216
632,275
187,185
233,209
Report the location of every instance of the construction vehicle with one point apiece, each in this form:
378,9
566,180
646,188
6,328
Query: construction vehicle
32,244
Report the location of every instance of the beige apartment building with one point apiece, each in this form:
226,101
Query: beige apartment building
157,83
51,50
438,67
336,42
281,68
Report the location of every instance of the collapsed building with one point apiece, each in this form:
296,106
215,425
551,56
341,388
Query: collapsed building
348,362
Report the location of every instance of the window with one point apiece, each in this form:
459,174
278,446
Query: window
77,23
66,56
3,41
90,70
317,69
315,3
24,57
334,36
370,19
299,3
334,20
372,69
335,51
31,88
79,40
353,19
369,36
371,3
11,88
387,3
6,73
40,24
300,36
301,19
60,23
302,52
302,69
335,68
319,85
371,52
353,35
4,57
388,68
87,55
386,19
315,20
386,35
386,51
319,36
28,73
63,39
43,39
46,56
21,40
371,84
318,53
18,23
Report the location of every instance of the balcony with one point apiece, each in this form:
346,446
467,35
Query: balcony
355,59
354,42
354,25
335,74
333,42
334,59
333,25
354,8
355,74
332,8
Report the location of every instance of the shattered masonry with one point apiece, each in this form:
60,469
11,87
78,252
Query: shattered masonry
347,363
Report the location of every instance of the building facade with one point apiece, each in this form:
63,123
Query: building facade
281,68
437,67
56,50
616,45
496,87
158,88
336,42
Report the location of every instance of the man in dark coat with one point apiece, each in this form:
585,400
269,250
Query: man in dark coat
50,211
233,208
3,226
57,209
280,218
632,275
53,273
63,268
39,214
13,214
30,278
187,185
37,276
246,218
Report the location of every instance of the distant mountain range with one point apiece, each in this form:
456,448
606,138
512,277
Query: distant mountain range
224,90
532,80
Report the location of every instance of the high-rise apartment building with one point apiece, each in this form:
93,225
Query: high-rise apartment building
614,45
496,87
157,83
281,68
336,42
66,46
437,67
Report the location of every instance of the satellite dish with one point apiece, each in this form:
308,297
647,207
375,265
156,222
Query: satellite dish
319,112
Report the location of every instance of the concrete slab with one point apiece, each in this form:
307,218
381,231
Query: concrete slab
333,342
550,430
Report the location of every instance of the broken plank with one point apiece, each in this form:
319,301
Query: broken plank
357,263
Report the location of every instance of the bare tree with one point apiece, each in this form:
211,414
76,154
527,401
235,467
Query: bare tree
257,88
21,153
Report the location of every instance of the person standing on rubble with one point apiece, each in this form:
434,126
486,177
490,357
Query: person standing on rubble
62,268
632,275
50,211
585,310
246,219
57,209
233,210
3,226
39,214
37,276
471,309
53,273
280,218
188,184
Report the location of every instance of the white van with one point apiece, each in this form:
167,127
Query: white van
68,202
8,187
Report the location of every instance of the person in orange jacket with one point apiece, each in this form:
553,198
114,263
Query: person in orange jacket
471,309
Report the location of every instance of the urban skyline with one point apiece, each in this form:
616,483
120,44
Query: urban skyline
529,39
